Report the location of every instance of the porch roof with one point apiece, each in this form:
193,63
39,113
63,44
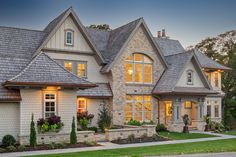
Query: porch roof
102,90
189,91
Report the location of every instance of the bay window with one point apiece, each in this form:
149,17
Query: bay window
216,108
138,69
216,79
138,107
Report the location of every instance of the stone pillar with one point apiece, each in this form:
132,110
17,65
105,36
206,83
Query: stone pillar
176,114
200,108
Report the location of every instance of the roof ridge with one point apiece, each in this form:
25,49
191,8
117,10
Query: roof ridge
128,23
31,62
101,30
27,29
179,53
165,38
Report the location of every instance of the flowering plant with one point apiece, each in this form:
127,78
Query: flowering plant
52,124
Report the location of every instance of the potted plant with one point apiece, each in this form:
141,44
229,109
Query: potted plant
186,121
207,120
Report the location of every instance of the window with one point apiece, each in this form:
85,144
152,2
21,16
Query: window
68,66
49,105
69,37
209,108
216,79
190,77
188,105
81,105
81,67
168,108
138,69
138,107
216,107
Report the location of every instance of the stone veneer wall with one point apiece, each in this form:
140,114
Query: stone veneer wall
145,130
48,138
140,42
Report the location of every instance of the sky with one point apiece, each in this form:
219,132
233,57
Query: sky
188,21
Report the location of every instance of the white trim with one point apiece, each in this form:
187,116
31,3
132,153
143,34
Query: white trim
49,100
72,37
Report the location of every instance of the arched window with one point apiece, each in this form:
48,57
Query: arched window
138,69
190,77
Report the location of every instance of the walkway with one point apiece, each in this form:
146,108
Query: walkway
108,145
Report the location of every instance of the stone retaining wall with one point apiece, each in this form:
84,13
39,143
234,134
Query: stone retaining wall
145,130
48,138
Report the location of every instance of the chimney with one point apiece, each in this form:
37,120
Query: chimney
159,34
163,33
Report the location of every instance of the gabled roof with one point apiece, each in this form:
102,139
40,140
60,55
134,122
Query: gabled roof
44,71
53,26
171,47
208,63
177,64
119,38
102,90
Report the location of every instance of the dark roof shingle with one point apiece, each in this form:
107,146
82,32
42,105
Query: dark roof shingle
43,70
102,90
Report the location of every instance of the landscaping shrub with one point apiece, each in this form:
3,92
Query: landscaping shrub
161,128
8,140
33,136
90,143
84,119
134,122
104,119
51,146
2,150
73,136
11,148
21,147
93,128
60,145
131,137
53,124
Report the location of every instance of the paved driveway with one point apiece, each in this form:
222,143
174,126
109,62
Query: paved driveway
228,154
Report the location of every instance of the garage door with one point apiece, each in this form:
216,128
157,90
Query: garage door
9,119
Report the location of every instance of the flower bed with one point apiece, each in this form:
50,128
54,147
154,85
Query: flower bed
21,148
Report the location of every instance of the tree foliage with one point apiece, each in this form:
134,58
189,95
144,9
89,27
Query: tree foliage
104,120
33,136
101,27
73,136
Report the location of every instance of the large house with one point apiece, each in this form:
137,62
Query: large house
68,68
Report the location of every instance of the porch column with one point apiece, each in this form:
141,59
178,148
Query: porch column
200,109
176,115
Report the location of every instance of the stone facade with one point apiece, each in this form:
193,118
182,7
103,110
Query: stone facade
48,138
145,130
139,43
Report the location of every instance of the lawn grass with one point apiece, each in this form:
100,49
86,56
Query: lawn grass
184,136
233,132
227,145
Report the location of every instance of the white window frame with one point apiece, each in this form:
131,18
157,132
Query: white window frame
133,62
189,71
50,100
133,101
72,37
85,104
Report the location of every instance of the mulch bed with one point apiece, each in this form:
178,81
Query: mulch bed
48,147
155,138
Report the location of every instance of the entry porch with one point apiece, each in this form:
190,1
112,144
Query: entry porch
172,109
